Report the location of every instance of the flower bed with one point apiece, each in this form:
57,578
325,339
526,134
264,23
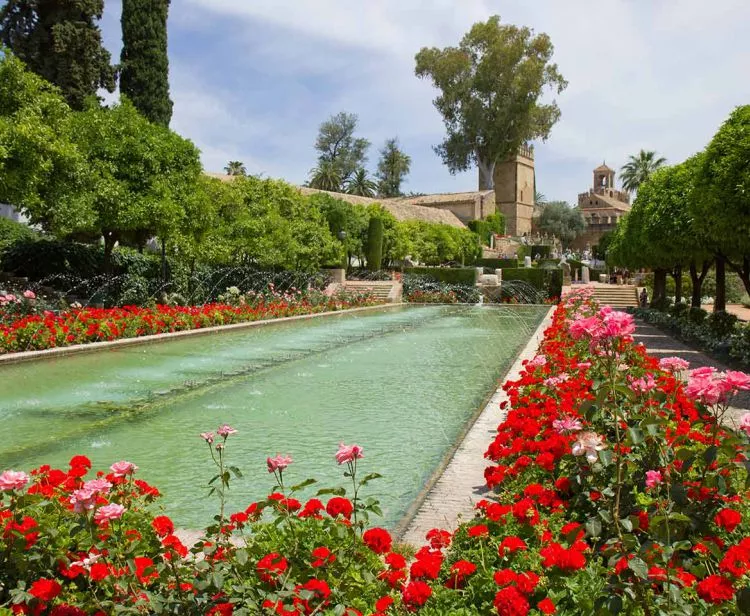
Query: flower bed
615,489
24,328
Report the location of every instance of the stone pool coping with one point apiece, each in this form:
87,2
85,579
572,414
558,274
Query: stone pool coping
25,356
458,482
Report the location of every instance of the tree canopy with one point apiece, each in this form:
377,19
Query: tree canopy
340,153
393,167
235,167
61,42
361,184
144,64
562,221
639,168
489,94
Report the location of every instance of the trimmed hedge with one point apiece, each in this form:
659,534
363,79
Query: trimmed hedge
449,275
547,280
497,263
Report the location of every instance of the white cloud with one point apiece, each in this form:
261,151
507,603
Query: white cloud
655,75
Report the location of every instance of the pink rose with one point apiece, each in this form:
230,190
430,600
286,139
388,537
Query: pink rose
113,511
278,463
745,423
83,500
617,323
122,468
348,453
28,294
588,444
99,486
737,380
642,385
673,364
13,480
589,327
226,430
566,425
539,360
208,437
653,479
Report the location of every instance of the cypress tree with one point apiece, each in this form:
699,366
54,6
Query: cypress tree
144,64
60,40
375,244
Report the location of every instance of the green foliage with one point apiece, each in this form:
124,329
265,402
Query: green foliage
541,250
375,244
340,153
12,232
449,275
143,173
494,223
41,170
144,64
393,167
235,167
498,263
61,42
562,221
639,168
489,90
361,184
437,244
547,280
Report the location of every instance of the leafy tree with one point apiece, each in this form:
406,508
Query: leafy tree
326,176
61,42
339,150
562,221
722,203
393,167
143,173
638,169
235,167
342,216
361,184
539,198
490,86
144,64
42,172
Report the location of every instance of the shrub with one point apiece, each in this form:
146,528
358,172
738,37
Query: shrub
450,275
12,232
498,263
549,281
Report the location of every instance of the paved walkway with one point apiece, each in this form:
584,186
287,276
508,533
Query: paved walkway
451,498
660,344
739,310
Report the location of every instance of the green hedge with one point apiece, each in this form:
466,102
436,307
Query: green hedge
543,251
498,263
547,280
450,275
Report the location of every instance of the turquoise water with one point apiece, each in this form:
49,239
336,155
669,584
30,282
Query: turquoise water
401,382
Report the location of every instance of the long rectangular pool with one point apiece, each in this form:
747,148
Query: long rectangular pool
401,381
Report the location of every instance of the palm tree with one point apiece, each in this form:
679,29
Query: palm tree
326,176
638,169
361,184
235,167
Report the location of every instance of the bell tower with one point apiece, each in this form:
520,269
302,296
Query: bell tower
514,190
604,178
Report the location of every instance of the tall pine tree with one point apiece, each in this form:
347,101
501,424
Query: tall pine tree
144,64
60,40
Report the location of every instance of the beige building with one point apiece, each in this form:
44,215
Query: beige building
602,206
514,191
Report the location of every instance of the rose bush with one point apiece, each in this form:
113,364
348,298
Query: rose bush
615,488
24,329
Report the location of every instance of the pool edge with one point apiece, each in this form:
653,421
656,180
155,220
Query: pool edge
421,516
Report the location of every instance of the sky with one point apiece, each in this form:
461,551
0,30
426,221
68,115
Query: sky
252,80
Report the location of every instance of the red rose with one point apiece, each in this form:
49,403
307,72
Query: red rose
478,530
162,525
382,604
510,602
222,609
438,538
715,589
271,566
545,606
415,595
460,570
80,461
728,519
395,561
378,540
66,610
45,590
511,544
339,506
322,556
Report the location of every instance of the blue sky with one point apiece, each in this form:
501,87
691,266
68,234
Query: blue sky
252,80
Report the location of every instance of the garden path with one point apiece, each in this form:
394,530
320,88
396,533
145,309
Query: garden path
660,344
451,496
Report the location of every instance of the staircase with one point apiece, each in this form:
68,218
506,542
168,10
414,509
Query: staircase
617,296
383,290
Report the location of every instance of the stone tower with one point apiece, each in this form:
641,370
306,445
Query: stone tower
514,190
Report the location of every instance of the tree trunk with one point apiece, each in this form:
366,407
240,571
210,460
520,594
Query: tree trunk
660,288
677,275
720,301
486,175
697,282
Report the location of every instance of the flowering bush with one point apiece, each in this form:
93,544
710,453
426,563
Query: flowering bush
43,329
615,489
